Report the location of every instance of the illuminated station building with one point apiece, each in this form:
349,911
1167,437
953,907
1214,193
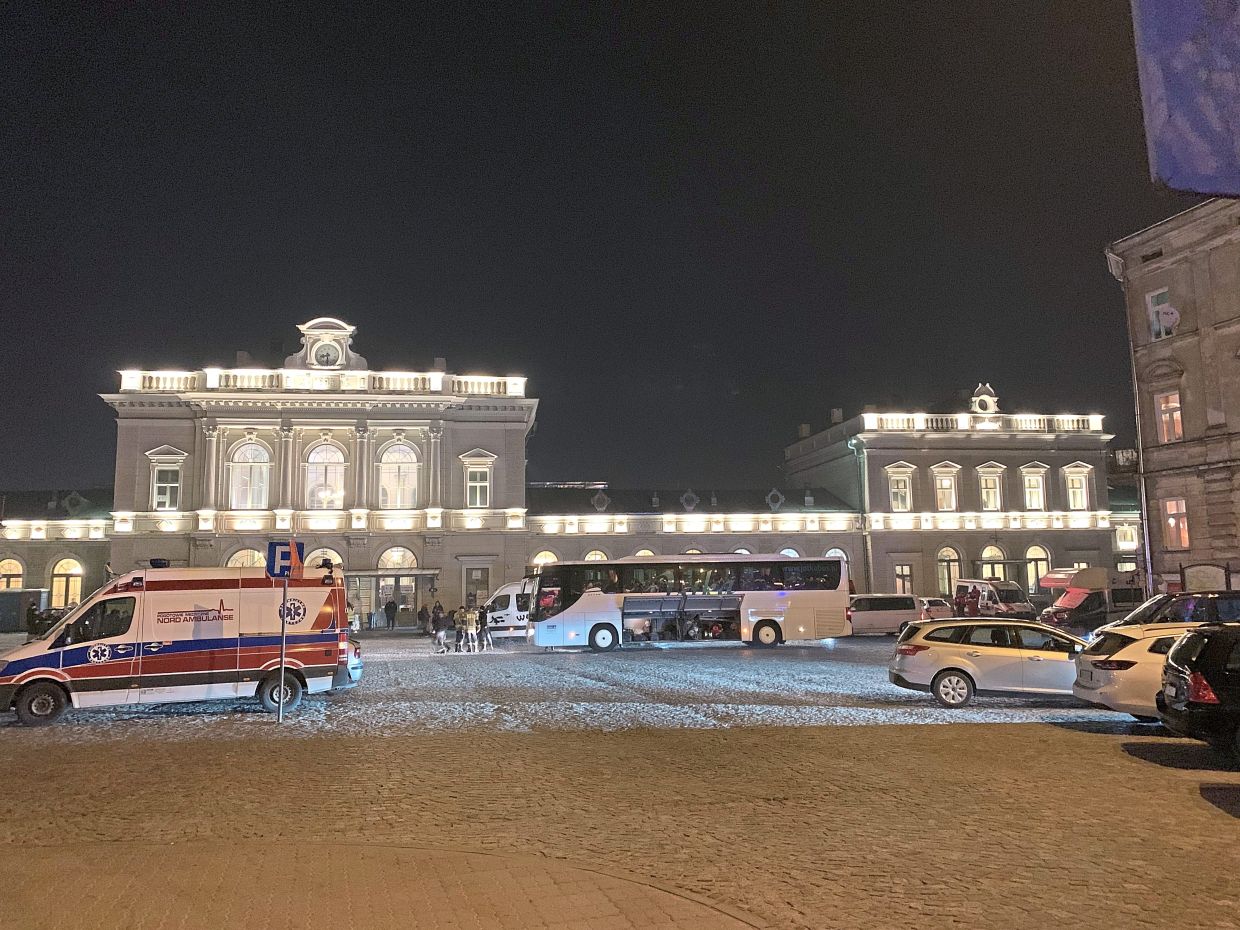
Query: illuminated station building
413,482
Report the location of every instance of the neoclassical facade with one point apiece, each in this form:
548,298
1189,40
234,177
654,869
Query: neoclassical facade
414,483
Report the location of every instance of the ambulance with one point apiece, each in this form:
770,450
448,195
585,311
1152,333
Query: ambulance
159,635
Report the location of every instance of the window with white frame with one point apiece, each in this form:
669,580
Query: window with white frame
1175,523
992,492
1170,422
1126,537
398,478
1163,317
249,477
11,573
904,578
900,487
1078,492
325,478
1033,479
478,465
166,487
945,491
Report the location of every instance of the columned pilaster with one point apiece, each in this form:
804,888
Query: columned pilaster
212,466
363,467
436,464
287,467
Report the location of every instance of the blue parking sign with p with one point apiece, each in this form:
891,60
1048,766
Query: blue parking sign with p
280,558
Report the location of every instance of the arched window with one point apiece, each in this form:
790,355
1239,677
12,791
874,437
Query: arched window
693,552
398,557
398,478
742,551
596,555
315,559
949,570
1037,564
644,552
66,583
992,563
325,478
836,553
791,553
11,573
249,477
246,558
544,557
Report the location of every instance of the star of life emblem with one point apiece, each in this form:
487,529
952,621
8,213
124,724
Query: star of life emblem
100,652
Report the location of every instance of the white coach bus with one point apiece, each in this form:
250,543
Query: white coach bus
761,600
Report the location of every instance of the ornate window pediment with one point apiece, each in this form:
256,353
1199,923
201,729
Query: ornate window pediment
167,454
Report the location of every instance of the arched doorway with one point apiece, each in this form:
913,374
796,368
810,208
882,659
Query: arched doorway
992,563
66,583
396,598
1037,564
948,560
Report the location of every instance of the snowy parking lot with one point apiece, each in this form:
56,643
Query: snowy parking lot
518,688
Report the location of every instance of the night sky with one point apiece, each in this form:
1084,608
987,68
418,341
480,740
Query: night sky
692,228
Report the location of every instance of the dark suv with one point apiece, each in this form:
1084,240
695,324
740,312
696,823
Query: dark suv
1201,686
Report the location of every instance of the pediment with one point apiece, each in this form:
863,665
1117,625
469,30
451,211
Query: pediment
478,457
166,453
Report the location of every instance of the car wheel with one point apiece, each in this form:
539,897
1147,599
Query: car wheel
41,703
952,688
602,638
1143,718
269,692
766,634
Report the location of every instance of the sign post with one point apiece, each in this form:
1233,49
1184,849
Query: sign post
283,561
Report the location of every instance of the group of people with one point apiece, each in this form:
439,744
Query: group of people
469,625
968,603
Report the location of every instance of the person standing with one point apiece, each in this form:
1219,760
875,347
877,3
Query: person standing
458,623
389,610
424,620
471,630
439,623
484,631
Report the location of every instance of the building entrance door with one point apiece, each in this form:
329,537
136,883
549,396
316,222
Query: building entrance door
401,590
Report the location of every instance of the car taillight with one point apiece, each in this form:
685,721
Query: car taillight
1199,690
848,613
1112,665
910,649
343,658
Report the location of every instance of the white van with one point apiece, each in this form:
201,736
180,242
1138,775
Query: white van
185,634
1091,597
999,598
507,612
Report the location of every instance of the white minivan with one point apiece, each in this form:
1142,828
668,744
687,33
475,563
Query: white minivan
507,611
883,613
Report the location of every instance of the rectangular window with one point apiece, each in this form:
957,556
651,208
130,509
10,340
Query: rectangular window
477,487
945,492
992,499
1163,318
901,493
1175,523
1125,565
904,579
167,493
1035,492
1167,409
1080,565
1078,492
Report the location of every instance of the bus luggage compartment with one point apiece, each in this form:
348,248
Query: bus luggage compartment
681,616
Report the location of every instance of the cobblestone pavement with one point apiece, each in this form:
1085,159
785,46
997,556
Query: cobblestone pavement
562,767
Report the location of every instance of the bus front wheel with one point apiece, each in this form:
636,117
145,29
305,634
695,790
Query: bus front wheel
602,638
766,635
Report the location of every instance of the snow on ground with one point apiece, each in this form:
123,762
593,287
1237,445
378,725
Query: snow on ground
407,689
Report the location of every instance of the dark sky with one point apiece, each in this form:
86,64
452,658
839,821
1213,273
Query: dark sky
692,228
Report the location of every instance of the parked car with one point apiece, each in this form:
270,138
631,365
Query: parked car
1200,696
1122,670
956,659
936,608
1092,597
882,613
1186,607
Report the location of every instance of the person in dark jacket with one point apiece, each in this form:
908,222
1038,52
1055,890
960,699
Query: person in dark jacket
389,610
424,620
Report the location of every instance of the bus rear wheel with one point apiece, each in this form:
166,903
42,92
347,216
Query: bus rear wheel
602,638
766,634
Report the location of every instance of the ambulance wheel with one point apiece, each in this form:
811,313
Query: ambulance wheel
602,638
41,703
269,692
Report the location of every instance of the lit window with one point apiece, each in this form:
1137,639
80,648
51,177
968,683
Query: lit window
993,559
1167,409
945,492
1126,537
10,574
1175,523
904,578
314,559
545,557
1037,566
644,552
477,486
249,476
246,558
166,493
949,569
791,553
1078,492
398,557
992,497
596,555
901,493
1079,565
66,583
398,478
693,552
740,551
1163,317
1125,565
1035,491
325,478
